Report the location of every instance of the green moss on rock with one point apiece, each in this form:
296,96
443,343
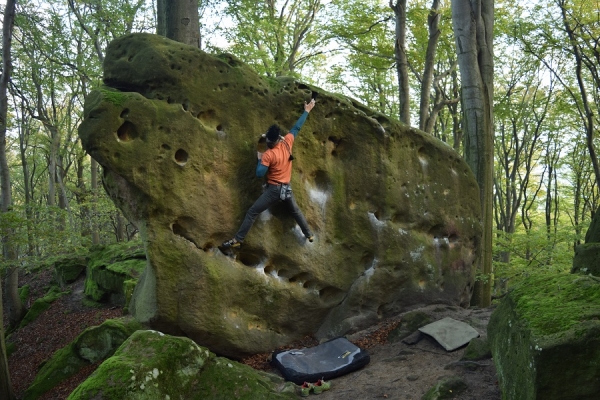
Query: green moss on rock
93,344
68,269
41,305
477,349
544,324
410,322
108,269
24,293
587,259
447,388
151,365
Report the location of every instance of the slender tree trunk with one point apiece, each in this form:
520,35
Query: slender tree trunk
182,21
473,22
6,391
95,233
434,33
23,144
401,60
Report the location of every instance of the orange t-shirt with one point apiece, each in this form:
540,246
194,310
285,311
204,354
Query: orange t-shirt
278,161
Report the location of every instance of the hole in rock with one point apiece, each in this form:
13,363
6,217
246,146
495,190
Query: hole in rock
331,295
181,157
125,113
301,277
250,259
166,146
127,132
184,227
269,269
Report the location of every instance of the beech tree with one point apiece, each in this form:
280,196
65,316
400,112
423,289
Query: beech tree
473,22
179,20
6,391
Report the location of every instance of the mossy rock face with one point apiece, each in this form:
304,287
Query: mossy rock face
94,344
110,267
477,349
97,343
67,270
587,259
395,211
152,365
409,323
545,339
41,305
446,388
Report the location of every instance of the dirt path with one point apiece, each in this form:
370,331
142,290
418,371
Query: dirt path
402,371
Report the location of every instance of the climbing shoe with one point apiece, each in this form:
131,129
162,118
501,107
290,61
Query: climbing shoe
321,386
231,244
311,238
305,389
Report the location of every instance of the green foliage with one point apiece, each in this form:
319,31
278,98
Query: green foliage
276,38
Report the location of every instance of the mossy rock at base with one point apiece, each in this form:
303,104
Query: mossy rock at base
410,322
587,259
446,388
545,338
24,293
477,349
152,365
108,269
67,270
41,305
92,345
10,348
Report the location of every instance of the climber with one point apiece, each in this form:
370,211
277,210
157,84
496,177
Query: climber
276,163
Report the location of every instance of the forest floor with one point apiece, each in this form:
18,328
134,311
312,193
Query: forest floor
396,370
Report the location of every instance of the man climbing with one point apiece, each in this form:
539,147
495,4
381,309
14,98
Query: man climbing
276,163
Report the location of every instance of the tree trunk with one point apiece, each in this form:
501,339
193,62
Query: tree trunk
6,391
402,60
182,21
95,233
473,22
161,17
434,33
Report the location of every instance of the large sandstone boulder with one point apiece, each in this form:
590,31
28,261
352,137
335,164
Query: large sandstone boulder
545,339
395,211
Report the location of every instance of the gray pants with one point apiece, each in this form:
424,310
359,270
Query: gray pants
269,197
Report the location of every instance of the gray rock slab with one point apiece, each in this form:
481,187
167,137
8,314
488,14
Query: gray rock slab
450,333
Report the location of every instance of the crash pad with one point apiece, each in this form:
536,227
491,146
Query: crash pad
450,333
328,360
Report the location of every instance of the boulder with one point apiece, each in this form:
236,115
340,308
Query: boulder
113,270
41,305
587,255
545,339
68,269
152,365
92,345
395,211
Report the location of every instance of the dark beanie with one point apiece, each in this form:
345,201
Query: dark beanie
273,133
